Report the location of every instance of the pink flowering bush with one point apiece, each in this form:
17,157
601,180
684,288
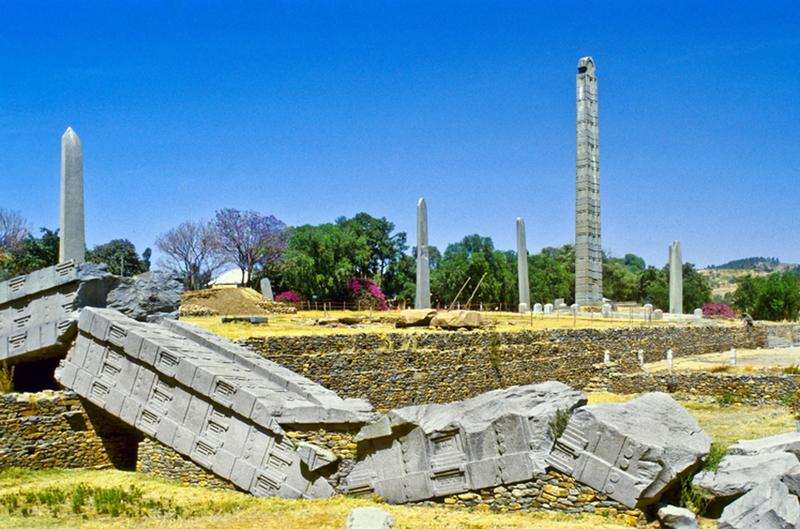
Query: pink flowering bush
366,293
289,296
719,310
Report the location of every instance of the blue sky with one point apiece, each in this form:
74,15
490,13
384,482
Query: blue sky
312,110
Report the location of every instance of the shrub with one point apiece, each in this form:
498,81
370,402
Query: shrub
559,423
288,296
793,369
726,398
718,310
367,293
715,455
693,498
6,378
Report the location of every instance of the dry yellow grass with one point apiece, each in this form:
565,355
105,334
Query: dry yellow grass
303,323
747,361
725,424
208,509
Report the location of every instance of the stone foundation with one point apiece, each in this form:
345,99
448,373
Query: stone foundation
551,492
395,370
52,429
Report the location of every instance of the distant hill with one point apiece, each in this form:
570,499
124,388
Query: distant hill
722,278
749,263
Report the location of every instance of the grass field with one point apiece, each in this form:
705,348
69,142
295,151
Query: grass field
94,499
304,323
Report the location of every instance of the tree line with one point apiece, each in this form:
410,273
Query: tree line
320,261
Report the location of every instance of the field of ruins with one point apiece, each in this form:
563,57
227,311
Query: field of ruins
379,283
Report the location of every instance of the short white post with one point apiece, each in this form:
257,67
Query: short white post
640,355
669,359
606,357
733,357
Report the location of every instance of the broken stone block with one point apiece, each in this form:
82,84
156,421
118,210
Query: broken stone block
738,474
457,319
146,294
785,442
415,318
435,450
39,311
767,506
631,451
220,405
672,517
369,518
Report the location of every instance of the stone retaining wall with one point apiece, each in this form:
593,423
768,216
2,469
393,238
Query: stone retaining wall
51,429
552,492
751,389
394,370
162,461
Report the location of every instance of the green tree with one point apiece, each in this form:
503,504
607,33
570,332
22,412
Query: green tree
119,255
773,297
654,288
318,261
696,289
32,254
471,258
374,247
621,278
551,275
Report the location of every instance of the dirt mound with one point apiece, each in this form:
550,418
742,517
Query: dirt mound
229,302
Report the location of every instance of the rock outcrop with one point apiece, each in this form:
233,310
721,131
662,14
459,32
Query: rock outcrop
145,294
415,318
767,506
738,474
457,319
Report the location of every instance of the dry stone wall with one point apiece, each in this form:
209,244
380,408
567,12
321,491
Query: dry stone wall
396,370
51,429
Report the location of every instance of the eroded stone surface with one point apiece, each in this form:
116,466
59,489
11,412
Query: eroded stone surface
767,506
457,319
631,451
415,318
434,450
672,517
785,442
738,474
146,294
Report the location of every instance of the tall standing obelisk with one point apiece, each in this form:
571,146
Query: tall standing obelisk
675,278
588,252
72,239
522,268
423,297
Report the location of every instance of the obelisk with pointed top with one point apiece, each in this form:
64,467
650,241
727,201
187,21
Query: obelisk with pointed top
675,278
522,268
72,244
423,298
588,252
